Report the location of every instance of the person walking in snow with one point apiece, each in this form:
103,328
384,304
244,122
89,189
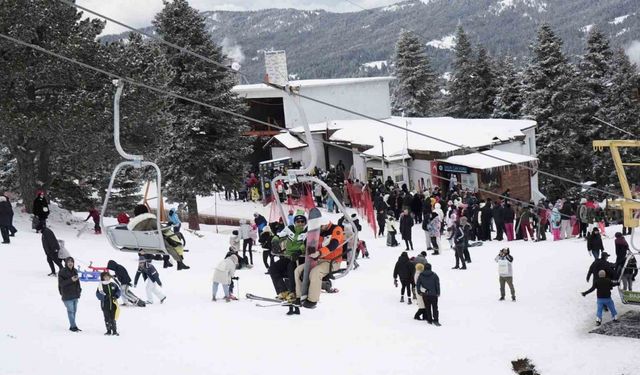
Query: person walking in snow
152,279
460,240
555,220
381,219
404,270
41,211
247,241
6,216
108,294
51,247
406,223
594,243
222,275
629,273
601,264
505,272
392,228
433,232
70,290
622,247
583,217
421,313
603,285
428,287
95,214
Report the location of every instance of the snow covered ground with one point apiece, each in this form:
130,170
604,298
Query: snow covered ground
361,330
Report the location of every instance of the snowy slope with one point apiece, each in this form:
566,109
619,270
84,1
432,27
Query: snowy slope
361,330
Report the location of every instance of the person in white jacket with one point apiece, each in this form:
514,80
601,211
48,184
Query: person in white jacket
505,272
247,240
222,275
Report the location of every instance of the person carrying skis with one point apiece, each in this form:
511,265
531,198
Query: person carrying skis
108,294
291,239
95,214
428,287
404,270
328,256
222,275
151,277
51,247
505,272
603,285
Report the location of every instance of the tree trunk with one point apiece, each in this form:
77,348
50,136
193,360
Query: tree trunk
192,206
26,177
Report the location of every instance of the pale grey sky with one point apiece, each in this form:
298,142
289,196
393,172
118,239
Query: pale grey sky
139,13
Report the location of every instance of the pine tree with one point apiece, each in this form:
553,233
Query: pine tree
204,147
416,84
484,89
462,78
551,91
508,102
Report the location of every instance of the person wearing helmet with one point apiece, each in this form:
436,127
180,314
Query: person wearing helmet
291,240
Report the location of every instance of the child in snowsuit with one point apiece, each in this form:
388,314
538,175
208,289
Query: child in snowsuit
222,275
594,243
404,270
108,294
234,241
95,214
603,285
420,314
391,227
152,279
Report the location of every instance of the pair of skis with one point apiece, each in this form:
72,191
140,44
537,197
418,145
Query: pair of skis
293,309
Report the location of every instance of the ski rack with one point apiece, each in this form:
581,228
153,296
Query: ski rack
123,239
303,175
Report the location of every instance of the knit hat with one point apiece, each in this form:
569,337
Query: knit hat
602,273
618,234
427,266
419,267
300,218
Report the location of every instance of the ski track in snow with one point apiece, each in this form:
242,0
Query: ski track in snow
361,330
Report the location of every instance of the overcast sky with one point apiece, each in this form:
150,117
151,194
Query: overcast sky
139,13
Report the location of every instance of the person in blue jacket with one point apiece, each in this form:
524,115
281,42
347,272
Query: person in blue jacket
174,220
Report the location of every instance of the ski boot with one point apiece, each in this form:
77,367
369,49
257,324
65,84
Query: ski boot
408,301
401,298
293,310
182,266
167,264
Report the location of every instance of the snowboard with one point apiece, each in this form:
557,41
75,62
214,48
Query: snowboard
313,237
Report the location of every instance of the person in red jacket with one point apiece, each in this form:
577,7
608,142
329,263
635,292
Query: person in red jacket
329,257
95,215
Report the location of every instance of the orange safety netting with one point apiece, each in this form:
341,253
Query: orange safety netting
363,204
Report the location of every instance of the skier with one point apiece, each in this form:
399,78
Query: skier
421,313
428,287
406,223
601,265
95,214
222,275
505,272
391,227
594,243
151,277
51,248
41,211
70,290
108,294
603,285
6,216
282,271
404,270
328,256
247,242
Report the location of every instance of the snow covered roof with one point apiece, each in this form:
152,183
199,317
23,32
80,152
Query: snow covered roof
485,159
262,88
288,141
473,133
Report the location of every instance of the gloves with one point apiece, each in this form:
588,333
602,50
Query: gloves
314,255
395,282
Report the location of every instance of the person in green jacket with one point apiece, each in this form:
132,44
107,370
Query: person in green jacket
292,241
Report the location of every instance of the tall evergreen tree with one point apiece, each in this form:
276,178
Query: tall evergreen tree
206,147
416,84
459,103
551,92
508,102
484,89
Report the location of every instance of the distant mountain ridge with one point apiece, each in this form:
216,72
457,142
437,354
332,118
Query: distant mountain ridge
323,44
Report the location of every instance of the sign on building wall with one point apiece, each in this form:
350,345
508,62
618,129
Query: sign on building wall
469,181
452,168
276,66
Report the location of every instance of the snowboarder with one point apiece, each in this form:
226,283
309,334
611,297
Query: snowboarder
95,214
222,275
70,290
603,285
391,227
421,313
406,223
404,270
108,294
594,243
428,287
151,277
505,272
6,216
41,211
51,248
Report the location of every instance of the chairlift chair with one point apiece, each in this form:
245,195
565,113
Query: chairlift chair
120,236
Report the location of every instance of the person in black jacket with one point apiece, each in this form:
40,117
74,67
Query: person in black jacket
460,239
406,223
41,211
498,219
51,248
428,286
381,218
486,214
601,265
108,294
123,278
265,241
404,270
6,215
69,288
594,243
622,247
603,286
416,206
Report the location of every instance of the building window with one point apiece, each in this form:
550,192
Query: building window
491,178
